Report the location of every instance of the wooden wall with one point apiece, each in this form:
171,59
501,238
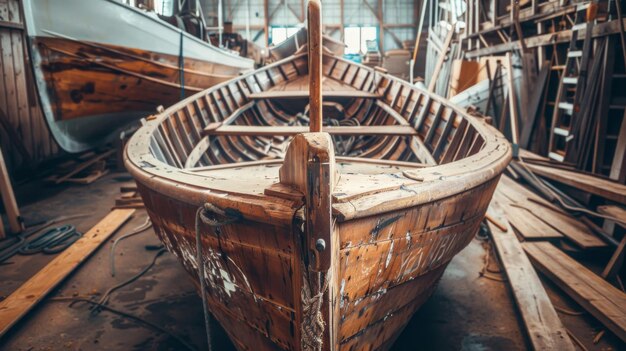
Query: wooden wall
24,135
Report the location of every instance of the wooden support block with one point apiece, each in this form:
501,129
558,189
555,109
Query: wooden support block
594,294
88,162
21,301
542,323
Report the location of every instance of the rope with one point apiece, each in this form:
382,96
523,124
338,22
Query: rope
107,295
203,215
139,229
312,320
52,241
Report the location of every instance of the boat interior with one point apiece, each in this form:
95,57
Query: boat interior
234,136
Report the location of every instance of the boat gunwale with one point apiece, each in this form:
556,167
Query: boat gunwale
423,185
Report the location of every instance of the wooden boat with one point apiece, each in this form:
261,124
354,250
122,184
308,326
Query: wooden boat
298,41
323,240
101,64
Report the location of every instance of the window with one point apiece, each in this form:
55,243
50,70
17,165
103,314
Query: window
356,38
280,34
164,7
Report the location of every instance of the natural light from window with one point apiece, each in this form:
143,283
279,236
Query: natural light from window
356,37
280,34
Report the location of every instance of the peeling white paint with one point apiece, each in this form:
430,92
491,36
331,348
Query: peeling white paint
389,254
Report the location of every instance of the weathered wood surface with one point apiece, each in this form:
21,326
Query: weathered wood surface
594,294
534,217
543,325
392,216
88,79
24,135
293,130
24,299
605,188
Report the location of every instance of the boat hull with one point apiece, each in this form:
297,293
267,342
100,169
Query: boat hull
389,265
101,65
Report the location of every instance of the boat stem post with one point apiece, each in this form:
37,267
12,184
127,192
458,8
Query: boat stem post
314,33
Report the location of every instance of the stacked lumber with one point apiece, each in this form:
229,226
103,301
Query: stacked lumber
553,89
83,169
129,198
541,223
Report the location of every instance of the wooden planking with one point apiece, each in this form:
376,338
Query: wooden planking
589,183
22,119
293,130
21,301
542,323
594,294
530,208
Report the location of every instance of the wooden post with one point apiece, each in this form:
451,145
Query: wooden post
315,64
441,59
418,39
512,104
8,199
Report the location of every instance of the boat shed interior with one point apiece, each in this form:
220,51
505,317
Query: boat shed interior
313,175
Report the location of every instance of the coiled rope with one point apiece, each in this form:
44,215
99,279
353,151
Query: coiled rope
206,215
52,241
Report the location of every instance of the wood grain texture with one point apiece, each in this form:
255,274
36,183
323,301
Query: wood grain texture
393,210
594,294
24,135
543,325
21,301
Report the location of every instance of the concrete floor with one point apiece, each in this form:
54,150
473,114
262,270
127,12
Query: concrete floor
466,312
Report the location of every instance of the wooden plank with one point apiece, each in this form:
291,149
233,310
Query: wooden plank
618,166
8,199
300,94
585,182
535,208
21,301
293,130
594,294
544,328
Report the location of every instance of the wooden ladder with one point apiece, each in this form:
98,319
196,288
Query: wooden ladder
572,84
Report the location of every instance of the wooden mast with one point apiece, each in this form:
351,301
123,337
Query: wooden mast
315,64
309,167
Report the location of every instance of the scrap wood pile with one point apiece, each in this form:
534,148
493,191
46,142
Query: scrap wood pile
129,197
85,168
548,73
571,227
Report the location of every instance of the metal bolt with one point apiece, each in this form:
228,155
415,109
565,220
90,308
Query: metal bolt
320,245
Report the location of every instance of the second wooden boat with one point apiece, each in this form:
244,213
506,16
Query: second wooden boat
330,239
100,65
